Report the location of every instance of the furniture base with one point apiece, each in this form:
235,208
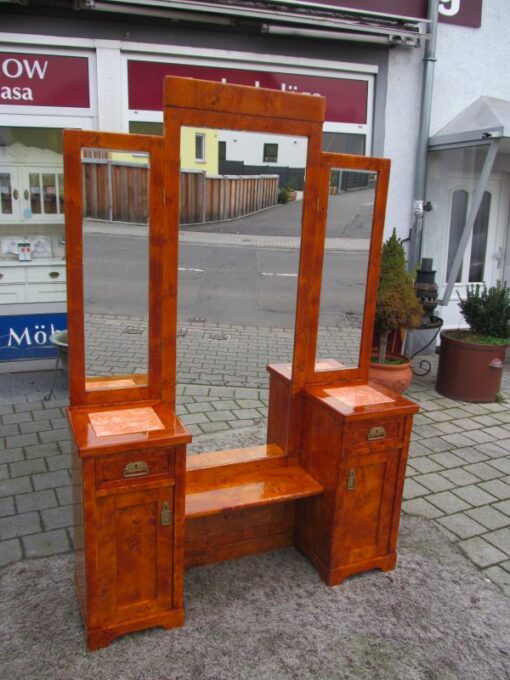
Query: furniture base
333,576
102,637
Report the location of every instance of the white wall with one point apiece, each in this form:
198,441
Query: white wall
249,147
472,62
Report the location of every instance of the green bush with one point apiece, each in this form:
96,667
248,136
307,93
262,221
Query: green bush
397,305
487,311
283,195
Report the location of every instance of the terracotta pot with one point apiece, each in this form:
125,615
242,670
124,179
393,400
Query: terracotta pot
396,377
468,371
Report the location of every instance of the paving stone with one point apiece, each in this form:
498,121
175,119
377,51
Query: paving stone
37,500
421,507
447,459
435,444
23,407
11,455
500,539
58,518
7,506
475,495
470,455
201,407
46,414
28,467
427,431
21,440
502,464
10,551
46,543
503,506
492,450
19,525
215,427
19,418
59,423
499,576
10,487
498,488
489,517
194,418
194,429
35,426
457,440
54,435
505,565
412,489
496,431
448,502
216,416
197,390
481,552
220,391
459,476
434,482
485,421
51,480
4,472
60,462
467,424
417,449
244,413
483,471
462,525
449,427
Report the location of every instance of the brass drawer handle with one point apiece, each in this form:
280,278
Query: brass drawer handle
54,275
351,480
376,433
138,468
166,514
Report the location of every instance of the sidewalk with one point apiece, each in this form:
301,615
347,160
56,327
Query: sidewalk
458,474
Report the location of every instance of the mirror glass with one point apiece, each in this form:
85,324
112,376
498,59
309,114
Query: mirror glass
115,267
348,236
241,198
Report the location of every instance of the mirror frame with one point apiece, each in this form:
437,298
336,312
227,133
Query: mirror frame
196,103
381,166
74,142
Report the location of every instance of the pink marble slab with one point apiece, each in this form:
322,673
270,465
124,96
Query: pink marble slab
108,384
127,421
358,395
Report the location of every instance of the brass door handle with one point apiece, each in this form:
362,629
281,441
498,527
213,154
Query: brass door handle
376,433
351,480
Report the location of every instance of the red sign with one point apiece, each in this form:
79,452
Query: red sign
44,80
346,100
461,12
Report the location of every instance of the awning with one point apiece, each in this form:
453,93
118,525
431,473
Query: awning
320,20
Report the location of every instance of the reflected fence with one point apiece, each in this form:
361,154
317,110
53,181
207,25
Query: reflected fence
118,192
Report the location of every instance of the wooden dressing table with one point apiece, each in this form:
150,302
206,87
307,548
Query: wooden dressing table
329,479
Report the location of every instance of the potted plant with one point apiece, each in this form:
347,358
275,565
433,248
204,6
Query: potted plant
471,361
397,308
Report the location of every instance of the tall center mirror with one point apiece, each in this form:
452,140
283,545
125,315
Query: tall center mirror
115,187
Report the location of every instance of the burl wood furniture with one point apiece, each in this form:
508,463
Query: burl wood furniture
329,479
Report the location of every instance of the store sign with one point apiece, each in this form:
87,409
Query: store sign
26,336
44,80
346,99
461,12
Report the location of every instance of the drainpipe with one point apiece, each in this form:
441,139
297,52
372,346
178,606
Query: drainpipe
420,177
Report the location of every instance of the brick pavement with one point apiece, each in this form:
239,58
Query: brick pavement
458,474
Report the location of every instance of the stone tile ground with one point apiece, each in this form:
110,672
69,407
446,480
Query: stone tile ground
458,473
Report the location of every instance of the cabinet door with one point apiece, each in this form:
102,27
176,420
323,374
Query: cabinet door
366,506
134,555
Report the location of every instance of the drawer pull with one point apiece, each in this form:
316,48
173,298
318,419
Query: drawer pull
137,469
351,480
166,515
54,275
376,433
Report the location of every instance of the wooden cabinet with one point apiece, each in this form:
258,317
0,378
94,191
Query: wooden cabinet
129,511
359,454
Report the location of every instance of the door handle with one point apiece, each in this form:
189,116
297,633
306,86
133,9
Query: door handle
15,194
26,195
166,514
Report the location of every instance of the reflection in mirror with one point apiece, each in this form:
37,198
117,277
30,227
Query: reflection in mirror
240,230
115,267
345,269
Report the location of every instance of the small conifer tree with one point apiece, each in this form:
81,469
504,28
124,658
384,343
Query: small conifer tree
397,305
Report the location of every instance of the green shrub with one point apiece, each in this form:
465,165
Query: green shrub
397,305
487,311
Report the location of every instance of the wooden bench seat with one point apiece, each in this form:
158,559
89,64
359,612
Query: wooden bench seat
250,489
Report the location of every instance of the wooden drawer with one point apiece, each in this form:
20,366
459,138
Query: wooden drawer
46,274
12,274
134,468
374,431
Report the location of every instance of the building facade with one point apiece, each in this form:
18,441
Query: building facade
100,65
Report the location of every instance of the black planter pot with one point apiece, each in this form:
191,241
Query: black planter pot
468,371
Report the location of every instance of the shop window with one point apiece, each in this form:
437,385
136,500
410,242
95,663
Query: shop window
270,153
199,147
